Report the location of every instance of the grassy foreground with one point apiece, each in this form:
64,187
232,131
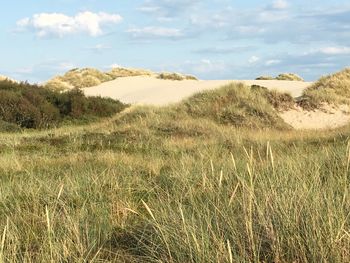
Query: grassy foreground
176,184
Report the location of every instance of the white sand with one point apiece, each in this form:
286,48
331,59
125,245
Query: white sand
150,90
327,118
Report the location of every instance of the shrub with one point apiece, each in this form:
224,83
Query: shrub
30,106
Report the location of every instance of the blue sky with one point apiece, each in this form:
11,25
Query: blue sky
217,39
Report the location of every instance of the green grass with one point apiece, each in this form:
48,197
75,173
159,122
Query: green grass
176,184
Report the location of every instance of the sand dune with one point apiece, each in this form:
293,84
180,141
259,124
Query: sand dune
153,91
150,90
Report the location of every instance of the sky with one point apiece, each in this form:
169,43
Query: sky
216,39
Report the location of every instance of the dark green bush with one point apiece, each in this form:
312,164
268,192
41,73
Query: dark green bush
31,106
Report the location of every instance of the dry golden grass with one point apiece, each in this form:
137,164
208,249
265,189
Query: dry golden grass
283,76
175,184
289,76
128,72
175,76
332,89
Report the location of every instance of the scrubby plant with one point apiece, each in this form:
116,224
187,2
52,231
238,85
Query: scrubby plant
31,106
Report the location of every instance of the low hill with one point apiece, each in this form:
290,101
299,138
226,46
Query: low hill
235,105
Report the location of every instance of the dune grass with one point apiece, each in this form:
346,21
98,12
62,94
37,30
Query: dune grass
176,184
283,76
89,77
175,76
332,89
265,78
289,76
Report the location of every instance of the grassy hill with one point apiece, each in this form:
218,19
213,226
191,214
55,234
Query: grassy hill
216,178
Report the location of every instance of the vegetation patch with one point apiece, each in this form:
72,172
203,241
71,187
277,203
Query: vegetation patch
175,76
29,106
283,76
89,77
332,89
238,105
265,78
185,183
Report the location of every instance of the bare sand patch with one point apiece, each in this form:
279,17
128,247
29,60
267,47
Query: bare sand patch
326,118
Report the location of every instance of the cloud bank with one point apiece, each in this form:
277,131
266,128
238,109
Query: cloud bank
60,25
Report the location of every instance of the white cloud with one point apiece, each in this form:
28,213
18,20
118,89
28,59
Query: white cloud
272,62
335,50
253,59
57,24
155,32
280,4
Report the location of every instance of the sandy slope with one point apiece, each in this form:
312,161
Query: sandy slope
150,90
326,118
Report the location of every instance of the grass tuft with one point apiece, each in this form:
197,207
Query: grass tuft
332,89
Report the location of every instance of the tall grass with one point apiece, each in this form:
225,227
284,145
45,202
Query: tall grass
163,185
332,89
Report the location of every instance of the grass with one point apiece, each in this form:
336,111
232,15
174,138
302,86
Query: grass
89,77
289,76
283,76
265,78
175,76
332,89
176,184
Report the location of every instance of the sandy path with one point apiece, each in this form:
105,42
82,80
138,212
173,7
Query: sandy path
150,90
